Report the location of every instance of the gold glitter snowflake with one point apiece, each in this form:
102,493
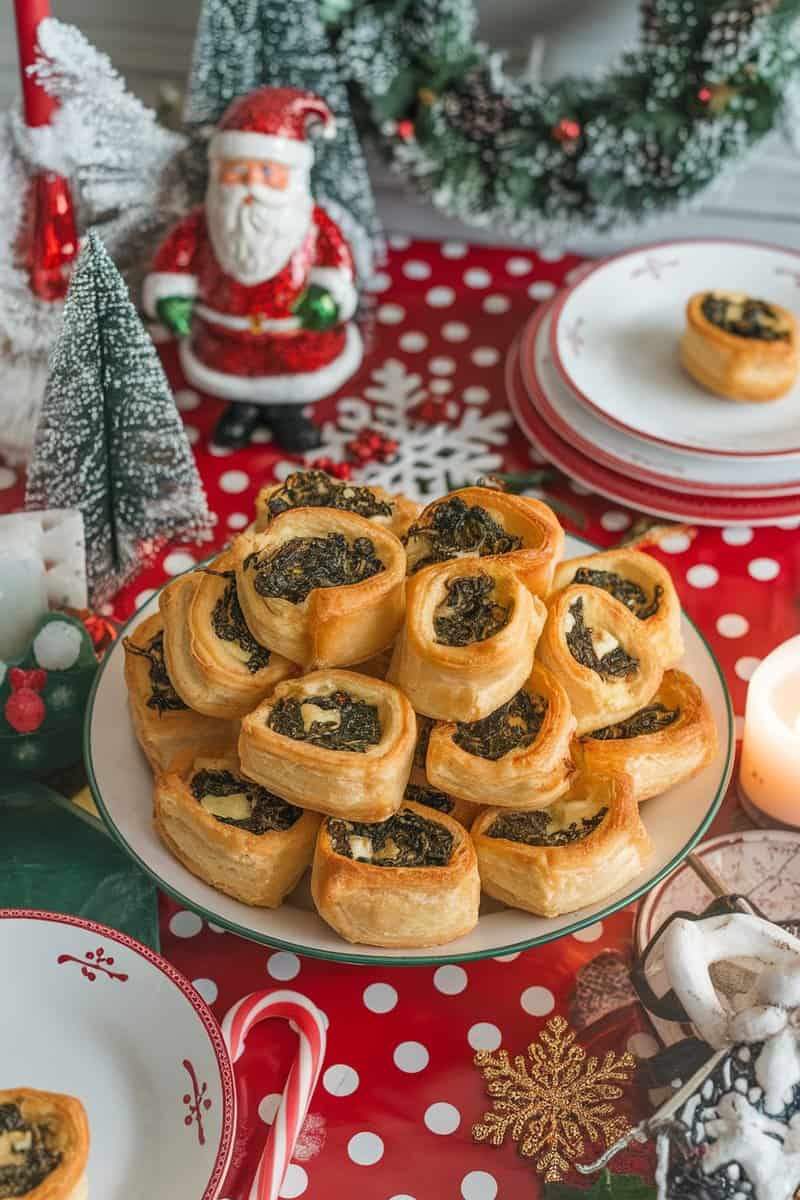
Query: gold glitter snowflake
553,1101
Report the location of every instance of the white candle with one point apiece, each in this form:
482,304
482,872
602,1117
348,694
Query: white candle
770,770
23,598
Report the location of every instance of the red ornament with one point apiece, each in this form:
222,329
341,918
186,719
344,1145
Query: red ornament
35,680
704,95
102,632
25,710
370,446
405,130
337,470
567,131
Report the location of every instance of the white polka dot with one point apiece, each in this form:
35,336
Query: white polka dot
404,1196
187,400
542,289
440,297
413,341
738,727
234,481
745,666
507,957
259,437
268,1107
216,928
380,997
737,535
518,266
674,543
450,980
643,1045
538,1001
365,1149
390,314
485,356
496,304
415,268
478,1185
295,1182
551,253
788,523
732,625
143,596
484,1036
763,569
441,366
177,561
379,282
614,521
185,924
440,387
455,331
7,477
283,965
475,395
580,489
340,1080
411,1057
219,451
237,520
454,249
192,434
399,241
590,933
442,1118
207,989
477,277
702,575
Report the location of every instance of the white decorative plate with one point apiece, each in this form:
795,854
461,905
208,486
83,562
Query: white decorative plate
90,1012
122,786
615,335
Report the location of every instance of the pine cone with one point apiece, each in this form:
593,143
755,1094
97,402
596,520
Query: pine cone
475,110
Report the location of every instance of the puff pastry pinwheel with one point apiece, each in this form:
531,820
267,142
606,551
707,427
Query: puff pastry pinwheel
485,522
517,757
163,723
468,638
322,587
213,660
739,347
602,655
549,861
333,741
231,832
411,880
669,740
639,582
317,489
420,789
44,1145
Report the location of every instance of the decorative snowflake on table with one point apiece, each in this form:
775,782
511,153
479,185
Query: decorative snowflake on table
550,1106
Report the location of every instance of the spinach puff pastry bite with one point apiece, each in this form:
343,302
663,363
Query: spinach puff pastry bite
44,1145
411,880
420,790
601,653
739,347
468,638
333,741
517,757
321,586
163,723
317,489
488,523
639,582
581,850
213,660
232,833
669,740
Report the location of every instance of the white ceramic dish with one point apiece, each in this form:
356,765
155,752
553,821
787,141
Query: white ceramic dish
615,335
90,1012
122,786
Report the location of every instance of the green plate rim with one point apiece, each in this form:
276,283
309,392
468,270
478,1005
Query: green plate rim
427,960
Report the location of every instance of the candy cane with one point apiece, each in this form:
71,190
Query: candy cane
306,1020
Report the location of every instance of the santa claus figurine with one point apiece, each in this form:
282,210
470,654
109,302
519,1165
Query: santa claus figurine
259,281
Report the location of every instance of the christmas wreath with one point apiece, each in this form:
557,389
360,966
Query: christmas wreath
711,78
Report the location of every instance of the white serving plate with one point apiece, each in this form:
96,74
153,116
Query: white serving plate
90,1012
615,335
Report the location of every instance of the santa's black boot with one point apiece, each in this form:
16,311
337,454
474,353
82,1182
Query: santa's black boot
291,430
237,425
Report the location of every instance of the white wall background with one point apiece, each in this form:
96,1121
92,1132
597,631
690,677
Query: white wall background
150,43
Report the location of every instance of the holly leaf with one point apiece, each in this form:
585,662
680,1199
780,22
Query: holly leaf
607,1187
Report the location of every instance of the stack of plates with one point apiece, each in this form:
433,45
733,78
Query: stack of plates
595,383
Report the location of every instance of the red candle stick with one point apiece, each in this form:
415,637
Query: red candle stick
37,104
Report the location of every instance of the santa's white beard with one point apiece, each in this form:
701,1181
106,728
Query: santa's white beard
255,229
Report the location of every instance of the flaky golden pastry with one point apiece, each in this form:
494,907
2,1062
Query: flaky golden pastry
517,757
292,585
602,655
229,831
642,584
213,660
45,1137
163,723
333,741
468,638
316,489
489,523
585,847
665,743
739,347
409,881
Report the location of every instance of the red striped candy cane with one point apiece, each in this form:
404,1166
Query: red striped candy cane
306,1020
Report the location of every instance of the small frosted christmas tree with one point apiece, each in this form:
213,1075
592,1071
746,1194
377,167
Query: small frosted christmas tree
244,44
110,441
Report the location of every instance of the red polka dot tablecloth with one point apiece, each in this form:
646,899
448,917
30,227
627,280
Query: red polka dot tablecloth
392,1116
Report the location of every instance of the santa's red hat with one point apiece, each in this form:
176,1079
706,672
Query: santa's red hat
272,122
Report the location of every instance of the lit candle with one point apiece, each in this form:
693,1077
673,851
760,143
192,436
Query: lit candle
770,770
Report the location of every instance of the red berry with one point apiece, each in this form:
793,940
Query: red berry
25,710
35,679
